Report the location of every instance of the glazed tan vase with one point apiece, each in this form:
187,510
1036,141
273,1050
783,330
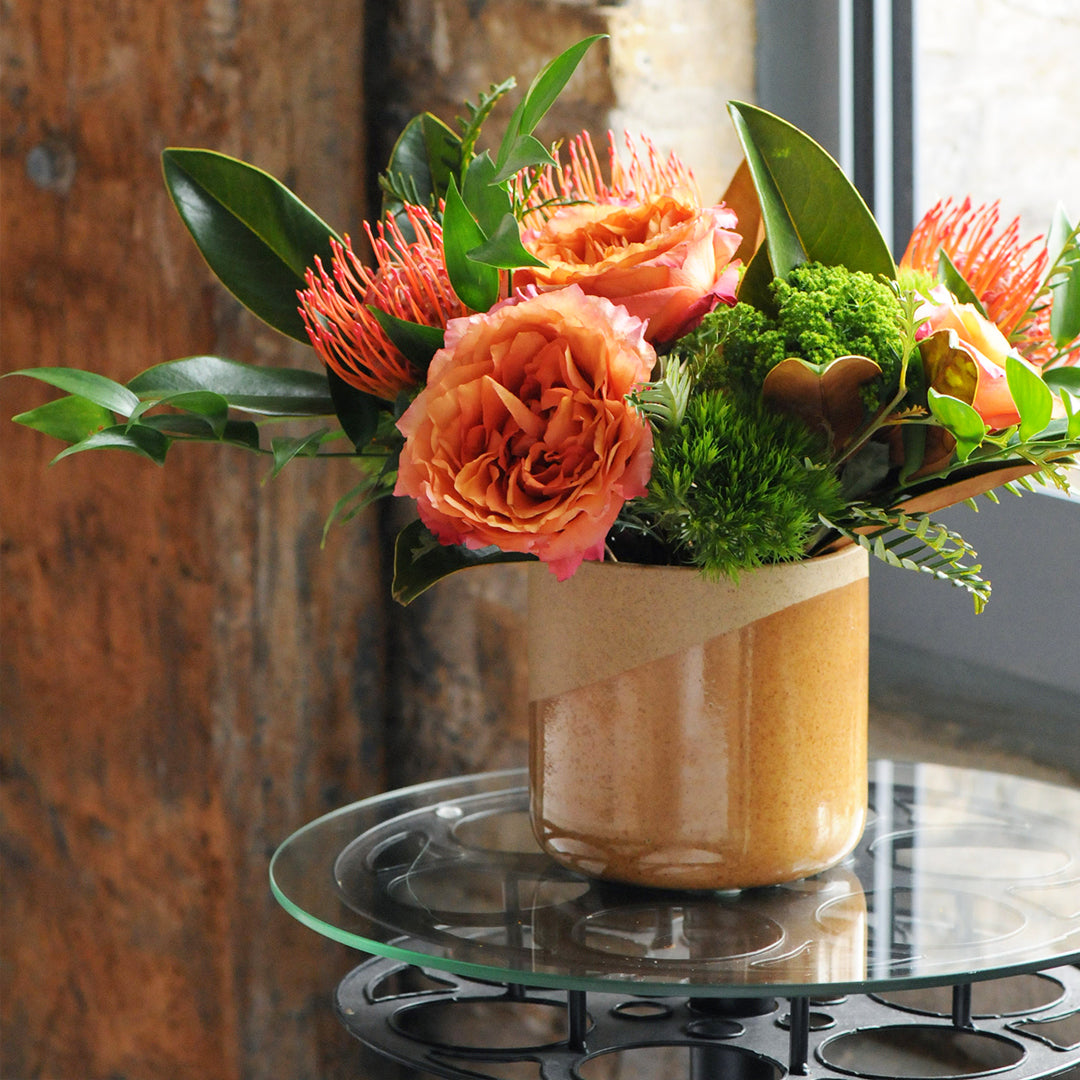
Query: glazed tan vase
696,734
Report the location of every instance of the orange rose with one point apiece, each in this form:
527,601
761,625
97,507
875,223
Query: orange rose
522,437
987,390
664,258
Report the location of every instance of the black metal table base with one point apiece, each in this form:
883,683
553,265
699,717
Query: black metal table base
1020,1027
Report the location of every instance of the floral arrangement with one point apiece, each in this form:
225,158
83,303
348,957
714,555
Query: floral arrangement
562,361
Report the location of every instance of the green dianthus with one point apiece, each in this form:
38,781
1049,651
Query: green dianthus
735,487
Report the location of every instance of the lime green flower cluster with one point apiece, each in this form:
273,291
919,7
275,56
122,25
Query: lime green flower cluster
821,312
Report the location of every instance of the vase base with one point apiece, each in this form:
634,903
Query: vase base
687,870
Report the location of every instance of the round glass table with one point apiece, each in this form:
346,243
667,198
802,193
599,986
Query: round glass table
943,947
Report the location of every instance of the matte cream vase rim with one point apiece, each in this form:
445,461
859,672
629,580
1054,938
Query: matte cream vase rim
661,613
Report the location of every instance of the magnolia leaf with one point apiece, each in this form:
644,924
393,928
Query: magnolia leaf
425,157
811,210
146,441
254,233
358,413
504,248
1064,245
476,285
86,384
822,397
948,366
420,561
741,197
415,341
754,285
69,418
268,391
960,419
1034,400
956,283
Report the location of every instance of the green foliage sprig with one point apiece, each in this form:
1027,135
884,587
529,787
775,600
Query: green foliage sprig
733,488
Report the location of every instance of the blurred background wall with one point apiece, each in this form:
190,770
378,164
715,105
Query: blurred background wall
185,676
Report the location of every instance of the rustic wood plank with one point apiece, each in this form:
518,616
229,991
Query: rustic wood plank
186,677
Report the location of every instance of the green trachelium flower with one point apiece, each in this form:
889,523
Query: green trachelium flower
822,312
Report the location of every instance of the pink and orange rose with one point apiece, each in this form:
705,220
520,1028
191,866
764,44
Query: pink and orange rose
522,437
970,366
665,260
640,238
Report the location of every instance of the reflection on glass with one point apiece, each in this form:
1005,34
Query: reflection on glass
958,872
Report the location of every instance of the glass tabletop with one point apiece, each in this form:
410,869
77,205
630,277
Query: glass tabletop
960,875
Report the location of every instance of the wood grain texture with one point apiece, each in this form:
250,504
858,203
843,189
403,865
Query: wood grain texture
186,678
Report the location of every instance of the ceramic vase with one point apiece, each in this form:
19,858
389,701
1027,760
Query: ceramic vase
688,733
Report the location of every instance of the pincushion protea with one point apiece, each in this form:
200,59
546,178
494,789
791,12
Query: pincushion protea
581,179
1007,276
409,282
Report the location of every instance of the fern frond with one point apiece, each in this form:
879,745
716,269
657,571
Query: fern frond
477,114
401,187
917,543
664,401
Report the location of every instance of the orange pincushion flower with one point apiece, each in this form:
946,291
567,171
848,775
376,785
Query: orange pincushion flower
1003,273
647,176
410,282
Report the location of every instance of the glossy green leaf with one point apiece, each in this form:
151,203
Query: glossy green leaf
420,561
541,95
476,285
487,201
415,341
1072,416
268,391
526,152
504,248
956,283
550,81
754,285
358,413
960,419
86,384
286,448
425,157
810,209
208,406
1064,248
69,418
913,437
1063,378
1034,400
189,427
145,441
254,233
